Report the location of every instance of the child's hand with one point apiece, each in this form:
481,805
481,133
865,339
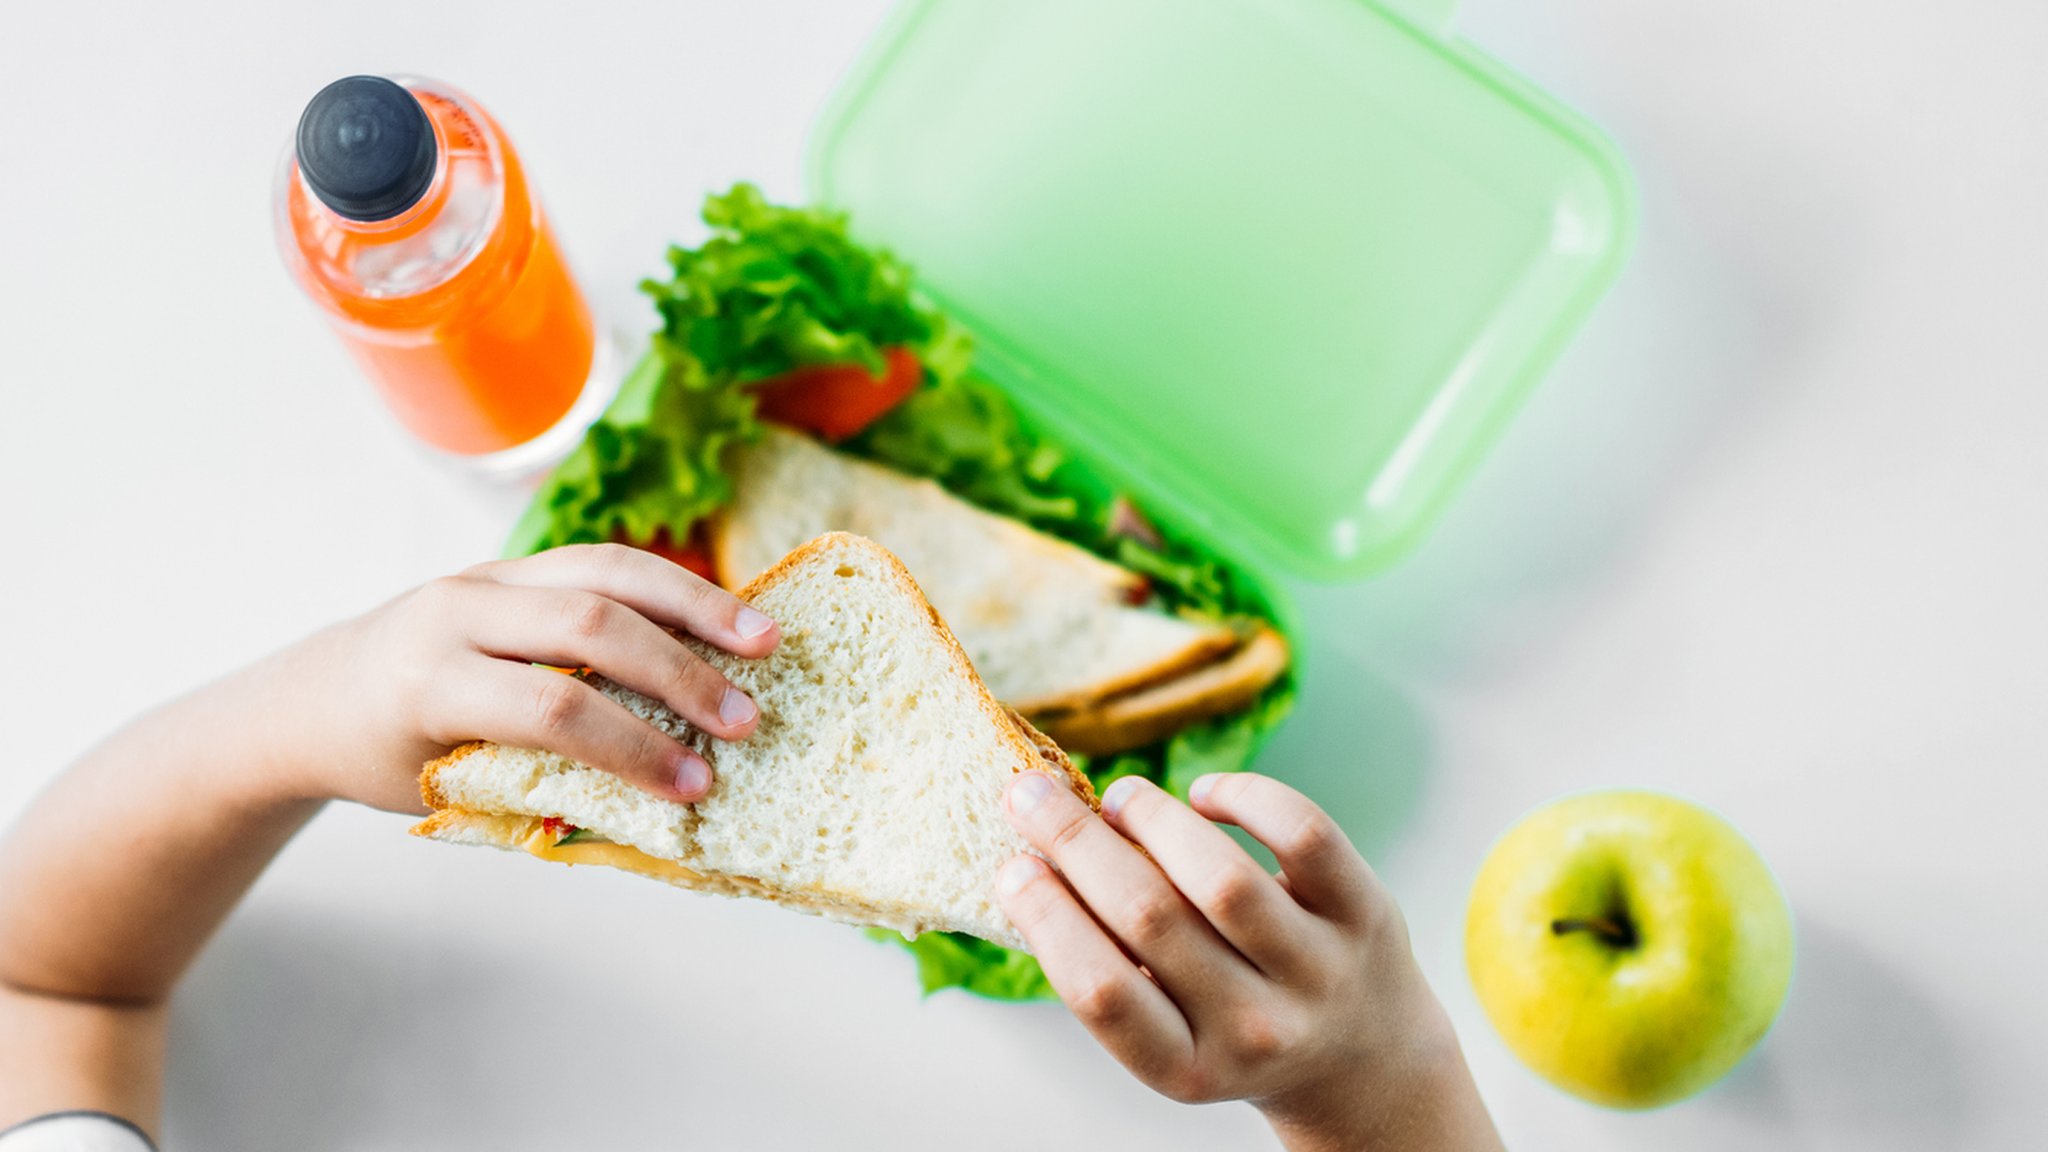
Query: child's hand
1212,980
453,660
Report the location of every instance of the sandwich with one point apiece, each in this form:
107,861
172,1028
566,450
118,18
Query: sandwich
798,384
1065,637
870,793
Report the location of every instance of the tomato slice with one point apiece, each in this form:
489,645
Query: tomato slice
834,401
693,553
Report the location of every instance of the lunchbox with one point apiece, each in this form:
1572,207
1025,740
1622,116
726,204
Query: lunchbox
1282,269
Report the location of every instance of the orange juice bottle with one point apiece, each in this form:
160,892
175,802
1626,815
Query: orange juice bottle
403,212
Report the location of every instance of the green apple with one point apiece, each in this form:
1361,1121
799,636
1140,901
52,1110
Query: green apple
1629,946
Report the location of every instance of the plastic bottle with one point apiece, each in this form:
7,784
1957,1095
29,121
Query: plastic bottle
402,210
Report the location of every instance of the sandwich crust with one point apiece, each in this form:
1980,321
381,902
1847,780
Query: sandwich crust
509,833
430,774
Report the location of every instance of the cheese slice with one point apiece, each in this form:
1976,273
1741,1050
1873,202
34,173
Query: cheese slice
539,841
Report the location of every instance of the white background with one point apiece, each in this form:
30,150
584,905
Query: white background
1774,535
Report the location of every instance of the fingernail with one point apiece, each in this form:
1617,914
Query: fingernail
1199,790
750,623
1015,875
1029,791
693,776
1119,791
735,708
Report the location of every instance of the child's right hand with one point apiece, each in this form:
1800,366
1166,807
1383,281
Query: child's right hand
1212,980
453,660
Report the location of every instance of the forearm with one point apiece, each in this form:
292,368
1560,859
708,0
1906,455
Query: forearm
72,1054
1439,1110
118,874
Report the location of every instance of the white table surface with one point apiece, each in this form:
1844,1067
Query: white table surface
1774,535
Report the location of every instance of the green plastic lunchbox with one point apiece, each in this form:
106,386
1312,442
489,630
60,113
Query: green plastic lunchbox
1282,269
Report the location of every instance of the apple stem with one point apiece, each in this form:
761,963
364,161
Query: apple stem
1617,931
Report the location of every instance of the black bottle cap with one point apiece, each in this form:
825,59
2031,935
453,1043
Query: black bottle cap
366,148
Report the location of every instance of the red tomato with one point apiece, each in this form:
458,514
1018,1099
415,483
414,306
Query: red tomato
694,553
1140,594
834,401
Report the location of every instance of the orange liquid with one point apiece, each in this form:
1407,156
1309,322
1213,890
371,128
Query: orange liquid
491,357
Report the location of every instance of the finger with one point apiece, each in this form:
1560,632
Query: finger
1125,1012
1127,894
527,707
1323,870
1244,904
576,629
664,592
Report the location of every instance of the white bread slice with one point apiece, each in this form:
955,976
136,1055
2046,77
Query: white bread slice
871,791
1148,715
1047,624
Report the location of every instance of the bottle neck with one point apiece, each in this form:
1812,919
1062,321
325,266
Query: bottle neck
405,270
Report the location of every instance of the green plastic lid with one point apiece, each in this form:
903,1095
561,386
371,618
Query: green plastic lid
1284,268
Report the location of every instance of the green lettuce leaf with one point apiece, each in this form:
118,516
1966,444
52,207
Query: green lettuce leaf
773,289
956,960
778,288
651,462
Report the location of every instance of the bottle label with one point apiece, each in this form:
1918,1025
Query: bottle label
457,125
